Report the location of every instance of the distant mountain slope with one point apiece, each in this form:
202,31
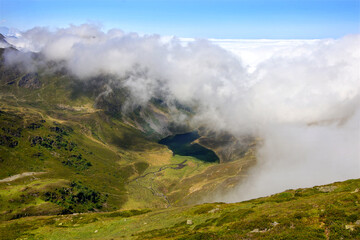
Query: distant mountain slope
322,212
3,43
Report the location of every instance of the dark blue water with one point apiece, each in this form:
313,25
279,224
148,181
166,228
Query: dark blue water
180,144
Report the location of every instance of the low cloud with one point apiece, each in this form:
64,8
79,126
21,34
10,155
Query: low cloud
301,97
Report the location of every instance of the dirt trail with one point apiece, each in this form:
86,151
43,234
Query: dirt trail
21,175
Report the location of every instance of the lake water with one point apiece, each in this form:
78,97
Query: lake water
180,144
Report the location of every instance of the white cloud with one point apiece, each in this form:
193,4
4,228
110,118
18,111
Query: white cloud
254,51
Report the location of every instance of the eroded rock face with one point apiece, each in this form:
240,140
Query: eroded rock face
30,80
327,188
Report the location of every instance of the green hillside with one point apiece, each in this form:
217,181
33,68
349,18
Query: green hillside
67,148
323,212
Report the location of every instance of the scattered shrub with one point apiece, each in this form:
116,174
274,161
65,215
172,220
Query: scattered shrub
203,209
233,216
76,198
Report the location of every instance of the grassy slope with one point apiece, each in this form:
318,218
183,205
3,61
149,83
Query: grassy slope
90,148
110,146
113,164
325,212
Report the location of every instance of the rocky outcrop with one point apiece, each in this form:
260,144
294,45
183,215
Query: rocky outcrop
30,80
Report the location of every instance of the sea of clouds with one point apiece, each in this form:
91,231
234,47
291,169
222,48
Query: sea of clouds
301,97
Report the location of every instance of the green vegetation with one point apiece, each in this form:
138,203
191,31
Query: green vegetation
313,215
75,198
35,142
140,167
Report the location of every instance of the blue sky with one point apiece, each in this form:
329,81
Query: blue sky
196,18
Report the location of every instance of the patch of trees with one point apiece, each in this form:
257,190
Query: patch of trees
12,132
76,198
59,141
53,141
8,141
77,161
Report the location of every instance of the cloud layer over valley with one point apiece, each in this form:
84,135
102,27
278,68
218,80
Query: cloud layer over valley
302,97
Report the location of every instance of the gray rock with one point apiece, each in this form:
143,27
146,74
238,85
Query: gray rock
214,210
350,227
274,224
